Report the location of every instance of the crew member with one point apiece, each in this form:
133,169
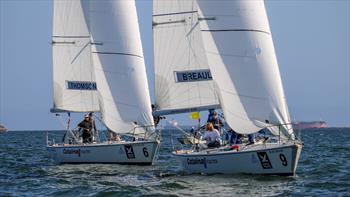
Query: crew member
86,127
212,136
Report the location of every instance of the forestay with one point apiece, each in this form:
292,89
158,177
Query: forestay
73,80
119,65
242,59
183,81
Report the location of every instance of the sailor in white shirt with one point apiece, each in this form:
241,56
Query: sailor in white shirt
212,136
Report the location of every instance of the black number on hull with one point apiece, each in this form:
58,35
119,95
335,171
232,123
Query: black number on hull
145,152
283,159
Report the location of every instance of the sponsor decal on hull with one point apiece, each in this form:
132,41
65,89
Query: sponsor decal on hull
201,161
264,160
129,152
69,151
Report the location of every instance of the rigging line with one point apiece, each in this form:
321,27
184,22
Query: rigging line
174,13
115,53
193,27
233,30
78,54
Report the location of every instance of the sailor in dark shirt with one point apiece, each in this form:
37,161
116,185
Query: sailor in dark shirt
86,127
156,119
216,121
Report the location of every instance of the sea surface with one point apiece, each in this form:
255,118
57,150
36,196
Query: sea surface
26,169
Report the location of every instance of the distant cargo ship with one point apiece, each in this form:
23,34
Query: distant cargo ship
308,125
2,129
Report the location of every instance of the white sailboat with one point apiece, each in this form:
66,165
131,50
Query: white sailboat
239,52
98,66
3,129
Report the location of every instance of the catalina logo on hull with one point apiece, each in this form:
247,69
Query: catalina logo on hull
201,161
68,151
193,76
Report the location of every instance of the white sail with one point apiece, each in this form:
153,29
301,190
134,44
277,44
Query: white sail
242,59
73,80
119,65
183,80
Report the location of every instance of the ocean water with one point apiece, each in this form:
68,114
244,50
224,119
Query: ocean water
26,169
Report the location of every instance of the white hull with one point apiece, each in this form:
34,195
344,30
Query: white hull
2,129
138,152
270,158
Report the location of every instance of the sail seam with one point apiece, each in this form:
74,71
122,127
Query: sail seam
113,53
224,30
71,36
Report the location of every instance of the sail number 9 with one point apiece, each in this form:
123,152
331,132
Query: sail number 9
283,160
145,152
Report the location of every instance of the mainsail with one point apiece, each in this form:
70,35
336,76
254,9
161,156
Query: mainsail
241,56
183,81
73,80
119,65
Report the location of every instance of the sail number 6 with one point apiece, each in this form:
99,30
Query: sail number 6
145,152
283,160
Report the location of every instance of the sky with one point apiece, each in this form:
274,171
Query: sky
311,38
